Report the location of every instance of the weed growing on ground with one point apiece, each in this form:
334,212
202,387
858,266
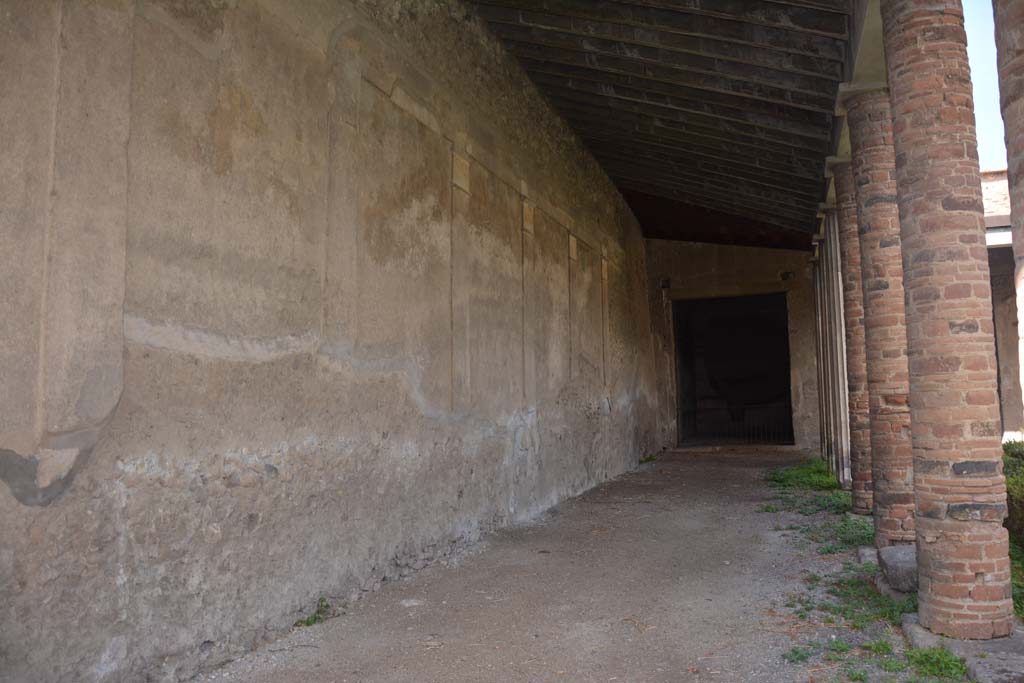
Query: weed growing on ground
892,665
323,610
859,603
938,663
798,655
648,458
839,646
849,532
878,647
836,502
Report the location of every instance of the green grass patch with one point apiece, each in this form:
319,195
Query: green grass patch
938,663
1013,470
807,488
892,665
849,532
648,458
859,602
878,647
812,475
1017,569
809,503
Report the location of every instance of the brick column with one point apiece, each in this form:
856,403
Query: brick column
853,314
873,164
963,567
1009,20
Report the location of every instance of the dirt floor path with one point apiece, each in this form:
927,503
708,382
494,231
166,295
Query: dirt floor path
669,573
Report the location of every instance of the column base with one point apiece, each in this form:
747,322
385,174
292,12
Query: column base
1000,660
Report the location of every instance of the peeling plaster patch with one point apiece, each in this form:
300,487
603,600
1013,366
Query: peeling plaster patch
192,340
112,659
235,119
23,477
121,579
341,357
168,469
53,464
100,393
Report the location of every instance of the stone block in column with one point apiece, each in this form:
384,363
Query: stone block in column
873,165
963,564
856,365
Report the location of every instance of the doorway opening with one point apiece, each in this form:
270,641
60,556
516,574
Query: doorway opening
733,370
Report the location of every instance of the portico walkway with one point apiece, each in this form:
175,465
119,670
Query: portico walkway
669,573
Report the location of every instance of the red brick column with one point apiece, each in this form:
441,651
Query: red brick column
873,165
963,568
856,365
1009,20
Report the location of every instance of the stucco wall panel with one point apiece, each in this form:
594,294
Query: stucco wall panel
487,332
228,160
28,50
586,314
547,309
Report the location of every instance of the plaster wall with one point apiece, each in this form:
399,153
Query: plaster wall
298,297
678,270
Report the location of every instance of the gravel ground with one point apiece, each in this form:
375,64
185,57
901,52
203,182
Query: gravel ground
673,572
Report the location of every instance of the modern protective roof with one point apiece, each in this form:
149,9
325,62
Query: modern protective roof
703,112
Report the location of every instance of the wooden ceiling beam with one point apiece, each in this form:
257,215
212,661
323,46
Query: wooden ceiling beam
669,219
672,81
802,224
657,149
573,14
634,41
737,191
685,133
657,112
819,133
530,41
807,186
791,18
838,6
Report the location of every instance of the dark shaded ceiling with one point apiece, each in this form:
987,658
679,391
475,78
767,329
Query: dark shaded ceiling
714,117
